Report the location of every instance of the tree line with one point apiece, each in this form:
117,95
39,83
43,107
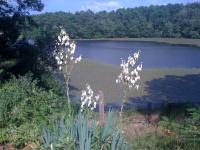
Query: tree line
172,20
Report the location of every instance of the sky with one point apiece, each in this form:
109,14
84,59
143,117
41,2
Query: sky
99,5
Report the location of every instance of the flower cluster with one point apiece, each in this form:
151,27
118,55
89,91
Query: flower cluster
64,51
129,76
88,99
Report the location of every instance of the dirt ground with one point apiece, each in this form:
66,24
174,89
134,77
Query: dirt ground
138,125
30,146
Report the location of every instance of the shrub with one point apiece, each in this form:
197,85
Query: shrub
186,131
21,100
24,108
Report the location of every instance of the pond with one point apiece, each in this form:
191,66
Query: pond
171,73
154,55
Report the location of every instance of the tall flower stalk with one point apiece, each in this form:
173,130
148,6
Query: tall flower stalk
129,76
64,55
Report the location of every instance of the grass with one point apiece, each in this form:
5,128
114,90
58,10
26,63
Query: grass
177,41
163,84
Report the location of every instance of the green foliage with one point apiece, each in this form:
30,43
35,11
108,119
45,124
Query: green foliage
83,133
21,101
20,136
187,130
4,138
195,115
24,108
175,20
6,65
156,142
49,82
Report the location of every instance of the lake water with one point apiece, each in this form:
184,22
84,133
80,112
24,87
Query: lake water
154,55
170,89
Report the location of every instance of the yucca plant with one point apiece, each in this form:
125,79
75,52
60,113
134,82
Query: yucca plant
84,133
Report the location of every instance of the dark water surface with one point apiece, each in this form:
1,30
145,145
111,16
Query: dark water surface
154,55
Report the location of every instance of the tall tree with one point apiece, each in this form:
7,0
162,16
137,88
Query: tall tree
14,17
14,20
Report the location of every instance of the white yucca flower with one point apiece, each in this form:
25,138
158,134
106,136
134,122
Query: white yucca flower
64,51
129,76
88,99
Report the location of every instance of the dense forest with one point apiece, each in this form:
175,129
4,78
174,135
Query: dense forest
172,20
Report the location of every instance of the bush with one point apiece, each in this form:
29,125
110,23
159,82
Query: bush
21,100
25,107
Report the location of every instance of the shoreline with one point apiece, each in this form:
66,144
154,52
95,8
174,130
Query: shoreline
172,41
